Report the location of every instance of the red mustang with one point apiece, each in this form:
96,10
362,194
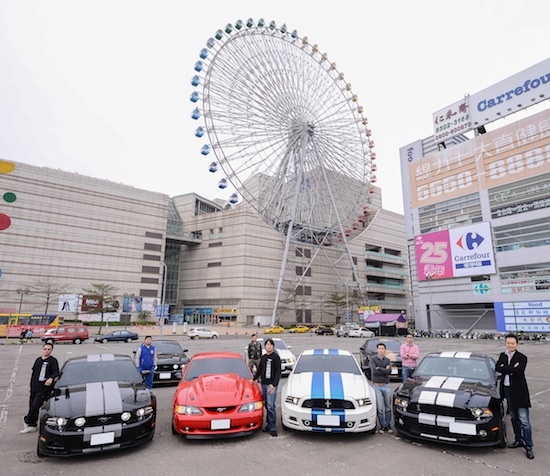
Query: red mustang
216,398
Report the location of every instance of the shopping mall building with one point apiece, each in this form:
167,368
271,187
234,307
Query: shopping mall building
65,231
477,210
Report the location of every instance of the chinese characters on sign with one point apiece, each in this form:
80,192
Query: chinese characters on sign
452,121
523,316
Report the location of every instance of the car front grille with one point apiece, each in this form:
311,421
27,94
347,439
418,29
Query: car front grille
220,410
328,404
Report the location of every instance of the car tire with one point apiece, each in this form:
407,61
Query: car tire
129,340
174,432
104,341
502,438
214,337
77,341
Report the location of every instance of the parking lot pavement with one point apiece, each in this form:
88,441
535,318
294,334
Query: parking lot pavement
294,454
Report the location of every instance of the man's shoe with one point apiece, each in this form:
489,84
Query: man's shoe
529,453
28,429
273,433
381,431
266,430
516,444
389,430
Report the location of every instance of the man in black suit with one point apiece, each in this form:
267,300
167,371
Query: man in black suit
511,364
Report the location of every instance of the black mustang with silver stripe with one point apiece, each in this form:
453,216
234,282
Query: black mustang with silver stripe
99,403
453,398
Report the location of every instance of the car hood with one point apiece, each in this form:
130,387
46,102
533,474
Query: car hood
448,391
327,385
97,398
215,390
171,359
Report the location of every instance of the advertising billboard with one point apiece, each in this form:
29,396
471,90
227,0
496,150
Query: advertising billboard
514,152
458,252
523,316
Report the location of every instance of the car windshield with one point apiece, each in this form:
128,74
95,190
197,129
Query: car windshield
392,345
168,348
81,372
470,369
327,363
213,366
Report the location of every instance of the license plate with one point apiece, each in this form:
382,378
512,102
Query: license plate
220,424
102,438
164,375
394,371
328,420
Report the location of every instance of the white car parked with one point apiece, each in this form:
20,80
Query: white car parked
328,392
287,357
202,333
365,333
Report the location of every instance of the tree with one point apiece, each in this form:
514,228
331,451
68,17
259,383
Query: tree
46,289
106,295
338,301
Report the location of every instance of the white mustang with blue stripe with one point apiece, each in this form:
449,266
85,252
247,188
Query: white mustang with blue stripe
328,392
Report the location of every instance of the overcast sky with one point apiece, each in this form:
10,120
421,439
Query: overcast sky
101,87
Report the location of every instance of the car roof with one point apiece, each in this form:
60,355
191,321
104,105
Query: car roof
99,358
458,355
326,351
217,355
165,341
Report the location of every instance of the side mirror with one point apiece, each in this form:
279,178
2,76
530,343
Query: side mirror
184,350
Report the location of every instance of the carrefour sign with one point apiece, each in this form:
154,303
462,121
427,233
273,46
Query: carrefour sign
464,251
511,95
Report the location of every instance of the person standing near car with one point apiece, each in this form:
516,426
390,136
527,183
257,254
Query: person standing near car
410,354
254,353
511,364
380,370
44,372
269,371
146,360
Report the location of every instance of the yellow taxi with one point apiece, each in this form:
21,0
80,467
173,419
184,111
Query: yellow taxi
298,329
274,330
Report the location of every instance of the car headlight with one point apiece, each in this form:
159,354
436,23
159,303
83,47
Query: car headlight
58,422
293,400
478,412
175,366
401,402
80,422
251,406
127,415
187,410
363,402
144,411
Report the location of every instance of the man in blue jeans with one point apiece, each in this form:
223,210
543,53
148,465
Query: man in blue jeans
380,370
511,364
269,371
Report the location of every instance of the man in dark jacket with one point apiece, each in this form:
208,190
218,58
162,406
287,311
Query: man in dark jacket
511,364
269,371
44,372
380,370
254,353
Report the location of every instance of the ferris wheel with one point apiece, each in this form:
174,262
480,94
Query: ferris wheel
286,131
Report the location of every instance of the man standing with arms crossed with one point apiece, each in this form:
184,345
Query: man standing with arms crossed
380,370
511,364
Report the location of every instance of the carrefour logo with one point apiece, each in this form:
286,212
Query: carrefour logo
470,241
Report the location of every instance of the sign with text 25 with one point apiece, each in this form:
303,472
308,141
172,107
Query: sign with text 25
464,251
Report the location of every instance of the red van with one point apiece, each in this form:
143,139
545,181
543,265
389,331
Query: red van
76,334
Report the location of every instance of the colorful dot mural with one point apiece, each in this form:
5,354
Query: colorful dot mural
8,197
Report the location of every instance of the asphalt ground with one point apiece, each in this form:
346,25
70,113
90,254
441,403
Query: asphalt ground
291,454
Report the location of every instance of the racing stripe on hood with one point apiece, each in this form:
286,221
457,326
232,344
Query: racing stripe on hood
328,386
102,398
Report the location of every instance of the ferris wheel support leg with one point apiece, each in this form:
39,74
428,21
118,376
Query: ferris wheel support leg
299,177
340,226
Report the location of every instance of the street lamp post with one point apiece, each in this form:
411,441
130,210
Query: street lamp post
161,322
429,278
22,291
